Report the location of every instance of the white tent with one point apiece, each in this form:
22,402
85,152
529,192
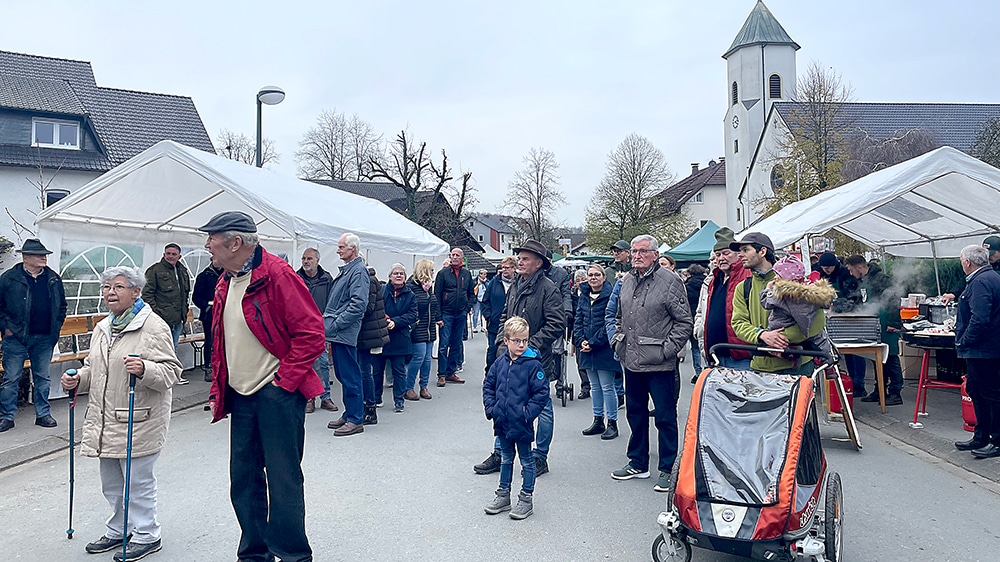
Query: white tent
166,192
929,206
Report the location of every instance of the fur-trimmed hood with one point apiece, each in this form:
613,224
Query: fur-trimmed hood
820,294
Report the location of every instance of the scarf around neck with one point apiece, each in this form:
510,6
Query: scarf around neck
119,323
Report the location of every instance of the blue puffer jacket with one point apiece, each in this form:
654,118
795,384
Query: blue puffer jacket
402,310
514,393
589,325
978,321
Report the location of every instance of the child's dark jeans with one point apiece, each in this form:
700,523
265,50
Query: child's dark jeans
507,464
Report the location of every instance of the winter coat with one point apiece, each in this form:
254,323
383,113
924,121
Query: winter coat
978,320
454,292
282,316
402,310
616,271
847,287
612,311
653,322
514,394
348,301
374,327
204,291
792,303
428,314
15,302
564,283
167,290
750,319
693,287
589,326
737,273
537,300
493,303
104,378
318,285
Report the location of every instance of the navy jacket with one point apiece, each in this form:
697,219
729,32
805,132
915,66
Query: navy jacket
493,303
589,325
454,292
428,313
204,291
978,321
402,310
514,393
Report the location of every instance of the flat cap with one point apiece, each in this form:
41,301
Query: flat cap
230,221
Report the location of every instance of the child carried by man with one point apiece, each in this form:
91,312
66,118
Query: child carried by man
514,393
793,300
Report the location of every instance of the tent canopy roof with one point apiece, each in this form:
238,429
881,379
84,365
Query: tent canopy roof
929,206
698,246
171,188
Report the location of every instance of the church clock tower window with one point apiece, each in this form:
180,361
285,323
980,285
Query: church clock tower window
774,86
736,93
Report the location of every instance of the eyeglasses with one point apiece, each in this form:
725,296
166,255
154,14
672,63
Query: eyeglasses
641,251
116,288
517,341
595,275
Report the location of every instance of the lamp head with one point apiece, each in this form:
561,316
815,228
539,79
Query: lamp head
270,95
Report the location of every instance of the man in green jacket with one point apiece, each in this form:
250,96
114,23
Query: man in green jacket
749,316
168,286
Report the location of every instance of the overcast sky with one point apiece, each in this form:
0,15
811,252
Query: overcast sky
488,81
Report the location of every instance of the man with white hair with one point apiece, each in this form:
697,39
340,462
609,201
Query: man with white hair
976,328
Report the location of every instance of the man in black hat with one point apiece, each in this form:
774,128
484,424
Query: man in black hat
268,332
32,310
622,263
535,298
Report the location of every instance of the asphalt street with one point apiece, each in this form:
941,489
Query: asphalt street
405,490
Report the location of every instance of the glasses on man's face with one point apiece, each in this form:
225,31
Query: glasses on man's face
635,251
516,341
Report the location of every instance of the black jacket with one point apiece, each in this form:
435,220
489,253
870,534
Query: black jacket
978,321
319,286
454,293
15,302
374,327
493,303
428,313
848,289
204,291
537,300
693,286
402,309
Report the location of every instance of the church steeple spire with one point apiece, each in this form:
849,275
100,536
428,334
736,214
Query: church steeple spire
761,28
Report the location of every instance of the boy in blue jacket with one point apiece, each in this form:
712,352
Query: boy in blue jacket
515,391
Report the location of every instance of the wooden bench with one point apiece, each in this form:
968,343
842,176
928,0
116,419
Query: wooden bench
78,328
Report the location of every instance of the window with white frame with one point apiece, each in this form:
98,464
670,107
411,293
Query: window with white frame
698,197
52,133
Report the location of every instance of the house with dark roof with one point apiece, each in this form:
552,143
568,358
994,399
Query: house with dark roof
59,130
701,195
499,232
433,211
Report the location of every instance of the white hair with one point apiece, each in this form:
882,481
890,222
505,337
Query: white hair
133,275
398,266
978,255
351,240
249,238
653,244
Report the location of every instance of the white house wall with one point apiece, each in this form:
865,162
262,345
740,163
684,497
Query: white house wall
759,183
712,209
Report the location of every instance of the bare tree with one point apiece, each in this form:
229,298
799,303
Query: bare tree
239,147
462,196
986,147
624,204
338,148
869,154
405,166
533,194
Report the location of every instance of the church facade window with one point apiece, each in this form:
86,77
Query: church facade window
774,86
736,93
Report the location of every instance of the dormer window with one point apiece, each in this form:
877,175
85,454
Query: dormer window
52,133
698,198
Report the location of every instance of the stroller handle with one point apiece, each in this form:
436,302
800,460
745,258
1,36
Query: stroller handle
759,350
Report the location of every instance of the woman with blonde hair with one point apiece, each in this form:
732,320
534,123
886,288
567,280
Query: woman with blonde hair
424,331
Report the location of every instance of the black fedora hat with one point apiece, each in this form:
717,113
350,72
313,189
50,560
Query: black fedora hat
535,247
34,247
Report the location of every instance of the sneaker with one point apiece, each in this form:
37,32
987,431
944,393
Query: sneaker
136,551
499,504
628,472
662,482
180,380
378,404
398,408
541,467
104,544
488,466
893,400
523,508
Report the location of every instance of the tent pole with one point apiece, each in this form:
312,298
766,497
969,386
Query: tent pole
295,251
937,276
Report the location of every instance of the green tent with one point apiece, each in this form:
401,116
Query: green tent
698,246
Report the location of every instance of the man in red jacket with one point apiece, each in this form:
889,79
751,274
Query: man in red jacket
267,332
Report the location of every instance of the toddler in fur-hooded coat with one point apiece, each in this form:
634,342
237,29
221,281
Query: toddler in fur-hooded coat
792,300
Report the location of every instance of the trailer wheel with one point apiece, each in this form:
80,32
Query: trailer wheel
676,550
833,518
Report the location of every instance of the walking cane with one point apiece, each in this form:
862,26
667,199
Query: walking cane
72,426
128,456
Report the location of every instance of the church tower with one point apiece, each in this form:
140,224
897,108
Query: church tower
760,65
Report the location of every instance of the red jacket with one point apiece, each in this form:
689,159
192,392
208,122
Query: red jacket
737,273
282,315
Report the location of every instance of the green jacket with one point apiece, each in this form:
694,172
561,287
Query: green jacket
749,320
167,291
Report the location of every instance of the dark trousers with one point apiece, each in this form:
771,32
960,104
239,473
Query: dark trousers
398,365
345,365
982,383
370,394
206,322
491,349
664,388
857,368
268,434
450,353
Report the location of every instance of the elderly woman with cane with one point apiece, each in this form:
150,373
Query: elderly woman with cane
130,342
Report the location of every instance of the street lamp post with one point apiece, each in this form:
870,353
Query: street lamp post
270,95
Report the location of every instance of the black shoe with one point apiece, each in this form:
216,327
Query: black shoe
621,402
136,551
596,427
584,394
6,425
611,432
488,466
971,444
988,452
370,417
104,544
893,400
872,397
859,394
541,466
46,421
